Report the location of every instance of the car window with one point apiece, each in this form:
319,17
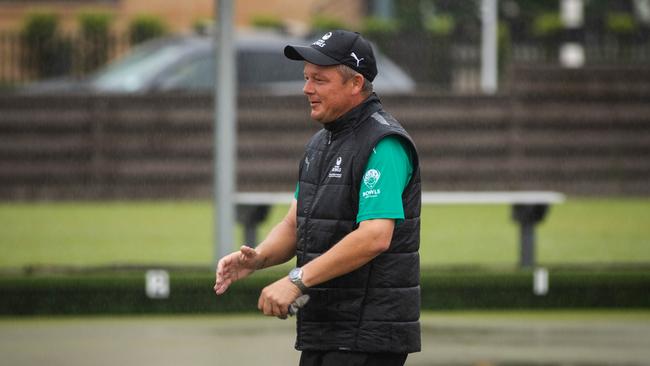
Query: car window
187,64
133,72
256,67
194,74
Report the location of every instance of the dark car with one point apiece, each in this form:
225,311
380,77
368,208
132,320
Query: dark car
187,63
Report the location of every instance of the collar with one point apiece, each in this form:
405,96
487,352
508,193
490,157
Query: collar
354,116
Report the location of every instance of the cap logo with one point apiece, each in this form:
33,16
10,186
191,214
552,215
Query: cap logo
321,42
356,58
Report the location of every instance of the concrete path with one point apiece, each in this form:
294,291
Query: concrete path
479,339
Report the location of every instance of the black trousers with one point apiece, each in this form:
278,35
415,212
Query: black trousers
343,358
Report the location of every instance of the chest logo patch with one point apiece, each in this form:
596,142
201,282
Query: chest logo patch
336,170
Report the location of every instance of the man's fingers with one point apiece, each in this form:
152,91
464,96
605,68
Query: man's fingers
247,254
223,275
247,251
277,311
265,303
223,263
222,286
270,307
266,307
220,289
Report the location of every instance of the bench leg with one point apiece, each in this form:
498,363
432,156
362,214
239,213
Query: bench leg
250,234
251,216
528,215
527,245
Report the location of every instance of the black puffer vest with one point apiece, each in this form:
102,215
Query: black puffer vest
377,307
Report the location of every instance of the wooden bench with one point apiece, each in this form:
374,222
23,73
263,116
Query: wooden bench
528,209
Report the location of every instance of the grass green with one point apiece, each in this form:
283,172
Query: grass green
580,231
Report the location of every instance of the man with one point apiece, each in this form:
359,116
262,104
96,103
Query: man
354,225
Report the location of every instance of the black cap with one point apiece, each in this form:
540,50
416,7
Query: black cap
338,47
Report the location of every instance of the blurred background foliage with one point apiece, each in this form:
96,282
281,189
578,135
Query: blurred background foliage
614,32
94,38
48,51
145,27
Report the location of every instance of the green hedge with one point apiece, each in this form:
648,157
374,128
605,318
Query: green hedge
47,53
123,293
95,39
144,27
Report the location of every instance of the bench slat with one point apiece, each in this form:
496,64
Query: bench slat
444,198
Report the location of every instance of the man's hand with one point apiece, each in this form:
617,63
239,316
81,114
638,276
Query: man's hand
276,298
235,266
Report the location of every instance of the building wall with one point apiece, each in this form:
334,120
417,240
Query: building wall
181,15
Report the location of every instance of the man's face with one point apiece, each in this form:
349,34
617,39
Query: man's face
329,95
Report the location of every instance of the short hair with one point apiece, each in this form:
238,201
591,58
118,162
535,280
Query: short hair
348,73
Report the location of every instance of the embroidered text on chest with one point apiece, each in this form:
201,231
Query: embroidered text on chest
336,169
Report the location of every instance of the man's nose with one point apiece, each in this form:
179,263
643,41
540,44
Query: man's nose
308,88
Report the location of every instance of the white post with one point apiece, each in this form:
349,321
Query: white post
157,284
572,52
540,281
489,56
225,90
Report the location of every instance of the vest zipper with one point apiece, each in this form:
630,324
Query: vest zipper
307,225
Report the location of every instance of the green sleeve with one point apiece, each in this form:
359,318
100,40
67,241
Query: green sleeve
387,173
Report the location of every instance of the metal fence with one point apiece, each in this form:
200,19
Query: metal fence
451,65
436,63
71,56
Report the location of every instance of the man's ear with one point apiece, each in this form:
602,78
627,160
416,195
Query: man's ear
357,83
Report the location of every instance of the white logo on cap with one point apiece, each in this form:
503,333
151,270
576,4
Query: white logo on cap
321,42
356,58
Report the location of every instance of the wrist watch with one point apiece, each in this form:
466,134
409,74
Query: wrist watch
295,276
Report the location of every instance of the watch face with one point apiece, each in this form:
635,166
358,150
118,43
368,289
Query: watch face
295,274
